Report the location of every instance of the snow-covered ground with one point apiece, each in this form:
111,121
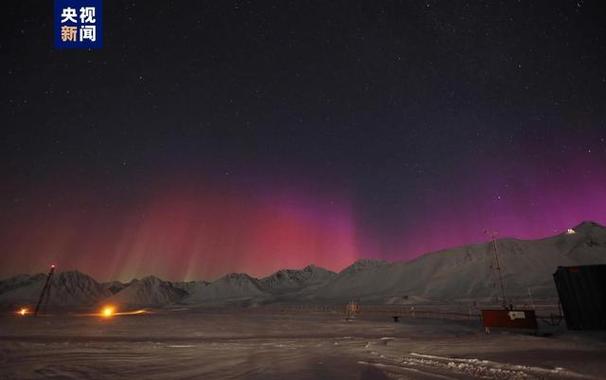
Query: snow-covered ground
266,344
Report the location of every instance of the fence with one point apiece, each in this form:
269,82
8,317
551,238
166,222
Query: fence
547,313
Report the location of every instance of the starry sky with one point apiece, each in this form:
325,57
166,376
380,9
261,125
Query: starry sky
209,137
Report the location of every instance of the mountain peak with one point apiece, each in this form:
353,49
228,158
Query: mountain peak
151,279
588,226
72,273
69,288
73,277
149,290
314,268
289,279
236,277
366,264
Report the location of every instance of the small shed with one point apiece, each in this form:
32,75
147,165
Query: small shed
582,292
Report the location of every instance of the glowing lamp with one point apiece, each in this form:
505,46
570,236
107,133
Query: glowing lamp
570,231
23,311
108,311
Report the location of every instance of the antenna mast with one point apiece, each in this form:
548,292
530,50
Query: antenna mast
45,290
493,237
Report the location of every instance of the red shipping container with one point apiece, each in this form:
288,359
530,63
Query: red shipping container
512,319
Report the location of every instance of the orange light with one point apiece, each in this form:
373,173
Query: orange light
108,311
23,311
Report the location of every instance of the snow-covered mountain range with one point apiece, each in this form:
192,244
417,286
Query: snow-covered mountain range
464,273
469,272
69,289
148,291
287,281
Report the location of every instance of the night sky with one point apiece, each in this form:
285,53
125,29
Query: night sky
209,137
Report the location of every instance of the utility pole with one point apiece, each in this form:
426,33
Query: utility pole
45,290
531,300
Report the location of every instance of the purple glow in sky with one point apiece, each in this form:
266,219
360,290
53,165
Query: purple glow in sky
209,138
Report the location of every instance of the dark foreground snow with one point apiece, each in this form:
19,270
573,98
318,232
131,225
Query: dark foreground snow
263,345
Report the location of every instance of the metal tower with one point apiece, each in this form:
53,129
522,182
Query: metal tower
45,294
493,237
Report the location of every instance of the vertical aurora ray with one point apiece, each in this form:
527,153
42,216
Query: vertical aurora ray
184,234
181,231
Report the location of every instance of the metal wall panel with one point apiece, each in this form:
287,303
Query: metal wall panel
582,292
